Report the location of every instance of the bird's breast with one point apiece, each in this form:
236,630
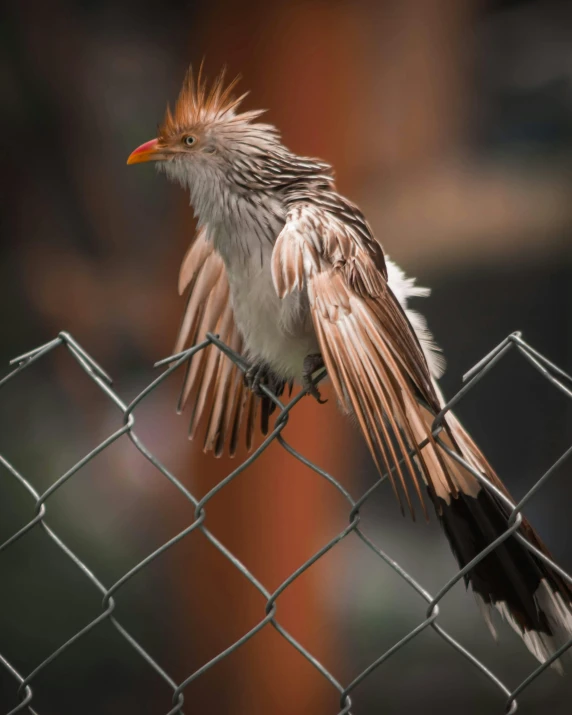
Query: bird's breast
276,331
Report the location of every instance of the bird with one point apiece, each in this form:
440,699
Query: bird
289,274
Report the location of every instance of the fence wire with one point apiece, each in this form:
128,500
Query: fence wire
25,683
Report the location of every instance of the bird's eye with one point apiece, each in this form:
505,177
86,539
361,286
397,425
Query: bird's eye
190,140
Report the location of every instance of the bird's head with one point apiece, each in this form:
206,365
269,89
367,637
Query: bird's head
204,135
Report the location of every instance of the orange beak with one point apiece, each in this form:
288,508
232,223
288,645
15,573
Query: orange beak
146,152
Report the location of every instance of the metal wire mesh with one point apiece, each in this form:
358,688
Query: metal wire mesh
25,684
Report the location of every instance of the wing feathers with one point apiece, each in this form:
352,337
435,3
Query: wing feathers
199,250
212,359
198,300
359,371
287,265
376,364
212,380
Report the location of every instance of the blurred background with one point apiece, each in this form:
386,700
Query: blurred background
450,123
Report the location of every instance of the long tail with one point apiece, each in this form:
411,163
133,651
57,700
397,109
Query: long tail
530,595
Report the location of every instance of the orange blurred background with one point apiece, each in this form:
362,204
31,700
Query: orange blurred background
450,123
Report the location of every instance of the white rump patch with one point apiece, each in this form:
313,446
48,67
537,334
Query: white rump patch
404,288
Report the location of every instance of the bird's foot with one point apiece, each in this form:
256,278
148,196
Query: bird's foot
261,374
255,376
311,364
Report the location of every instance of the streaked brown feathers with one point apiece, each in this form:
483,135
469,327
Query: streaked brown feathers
372,356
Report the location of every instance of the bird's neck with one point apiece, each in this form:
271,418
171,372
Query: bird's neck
242,222
245,206
247,226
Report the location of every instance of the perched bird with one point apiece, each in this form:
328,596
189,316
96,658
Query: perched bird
289,274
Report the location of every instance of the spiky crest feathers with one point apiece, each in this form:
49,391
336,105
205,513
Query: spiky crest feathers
198,106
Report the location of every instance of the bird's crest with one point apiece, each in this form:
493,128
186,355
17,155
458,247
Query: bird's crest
197,104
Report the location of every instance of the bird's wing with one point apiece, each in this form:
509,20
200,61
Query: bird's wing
370,349
213,383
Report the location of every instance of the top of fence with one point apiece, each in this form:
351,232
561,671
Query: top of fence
39,515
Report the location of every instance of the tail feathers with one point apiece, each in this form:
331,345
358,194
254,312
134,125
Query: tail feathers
558,620
530,596
540,644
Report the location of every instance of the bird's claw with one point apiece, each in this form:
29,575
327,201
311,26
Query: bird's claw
311,364
254,376
312,390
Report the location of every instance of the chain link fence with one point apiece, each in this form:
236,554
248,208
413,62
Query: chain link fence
39,502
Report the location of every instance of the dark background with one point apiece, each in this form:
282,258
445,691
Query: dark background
450,123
